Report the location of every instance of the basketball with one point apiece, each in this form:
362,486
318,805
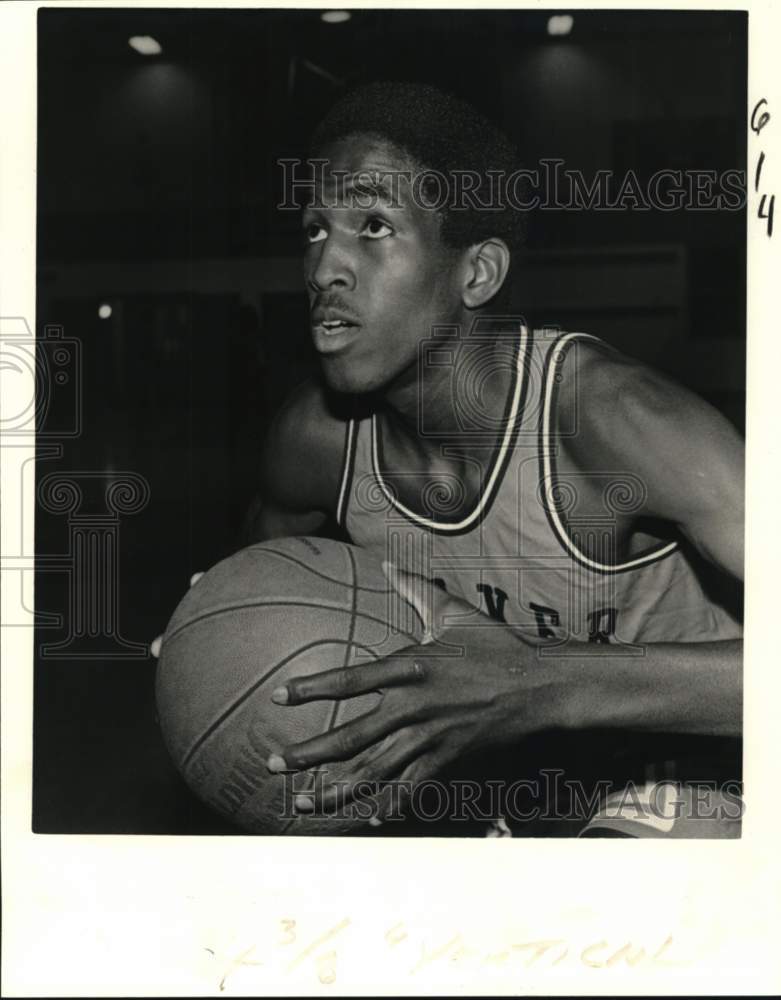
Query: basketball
276,610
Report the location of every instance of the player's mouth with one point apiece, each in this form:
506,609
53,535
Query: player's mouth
332,331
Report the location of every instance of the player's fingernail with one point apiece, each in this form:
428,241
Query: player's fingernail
304,803
279,696
276,763
195,578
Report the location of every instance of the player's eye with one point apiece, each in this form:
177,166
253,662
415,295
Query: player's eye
376,228
314,232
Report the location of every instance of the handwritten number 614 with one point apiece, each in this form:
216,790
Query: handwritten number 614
759,119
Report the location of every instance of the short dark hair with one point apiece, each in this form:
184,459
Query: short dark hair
440,133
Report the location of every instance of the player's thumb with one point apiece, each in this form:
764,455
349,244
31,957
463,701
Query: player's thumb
413,588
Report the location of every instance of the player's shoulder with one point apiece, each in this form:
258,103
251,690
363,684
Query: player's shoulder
622,406
604,375
304,446
605,384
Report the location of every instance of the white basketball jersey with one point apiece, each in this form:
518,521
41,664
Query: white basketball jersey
520,553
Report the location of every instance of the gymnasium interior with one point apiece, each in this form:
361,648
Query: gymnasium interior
170,297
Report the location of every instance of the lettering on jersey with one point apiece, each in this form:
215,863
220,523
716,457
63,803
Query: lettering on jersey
602,625
495,600
544,617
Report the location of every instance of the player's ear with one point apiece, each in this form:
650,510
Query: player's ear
489,263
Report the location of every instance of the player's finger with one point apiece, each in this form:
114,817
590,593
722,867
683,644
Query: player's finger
396,799
347,682
393,801
341,743
425,767
413,588
369,776
157,643
387,782
341,794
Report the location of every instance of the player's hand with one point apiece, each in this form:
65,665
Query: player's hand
157,643
434,708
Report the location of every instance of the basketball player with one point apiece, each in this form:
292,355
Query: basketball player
563,498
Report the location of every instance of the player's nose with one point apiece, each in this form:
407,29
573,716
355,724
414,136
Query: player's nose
333,267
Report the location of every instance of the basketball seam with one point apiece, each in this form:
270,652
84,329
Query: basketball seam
306,566
224,718
212,728
226,609
226,713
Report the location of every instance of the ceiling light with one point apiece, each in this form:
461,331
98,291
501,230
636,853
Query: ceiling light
145,45
560,24
335,16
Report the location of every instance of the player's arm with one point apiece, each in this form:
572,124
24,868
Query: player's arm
689,458
691,462
299,469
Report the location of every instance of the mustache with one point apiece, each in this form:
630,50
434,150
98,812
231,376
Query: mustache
332,303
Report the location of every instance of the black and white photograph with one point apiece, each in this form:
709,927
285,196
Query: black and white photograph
488,331
382,463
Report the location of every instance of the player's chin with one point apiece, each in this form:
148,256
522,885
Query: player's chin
348,375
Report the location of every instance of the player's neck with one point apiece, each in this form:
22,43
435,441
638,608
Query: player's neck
449,419
453,385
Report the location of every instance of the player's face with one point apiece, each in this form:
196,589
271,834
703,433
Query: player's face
378,277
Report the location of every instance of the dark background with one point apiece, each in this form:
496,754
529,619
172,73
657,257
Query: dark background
157,186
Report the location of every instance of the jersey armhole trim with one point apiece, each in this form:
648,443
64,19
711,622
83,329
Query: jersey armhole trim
548,474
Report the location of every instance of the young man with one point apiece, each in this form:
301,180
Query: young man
563,497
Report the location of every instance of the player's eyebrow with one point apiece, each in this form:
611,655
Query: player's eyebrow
374,184
374,188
